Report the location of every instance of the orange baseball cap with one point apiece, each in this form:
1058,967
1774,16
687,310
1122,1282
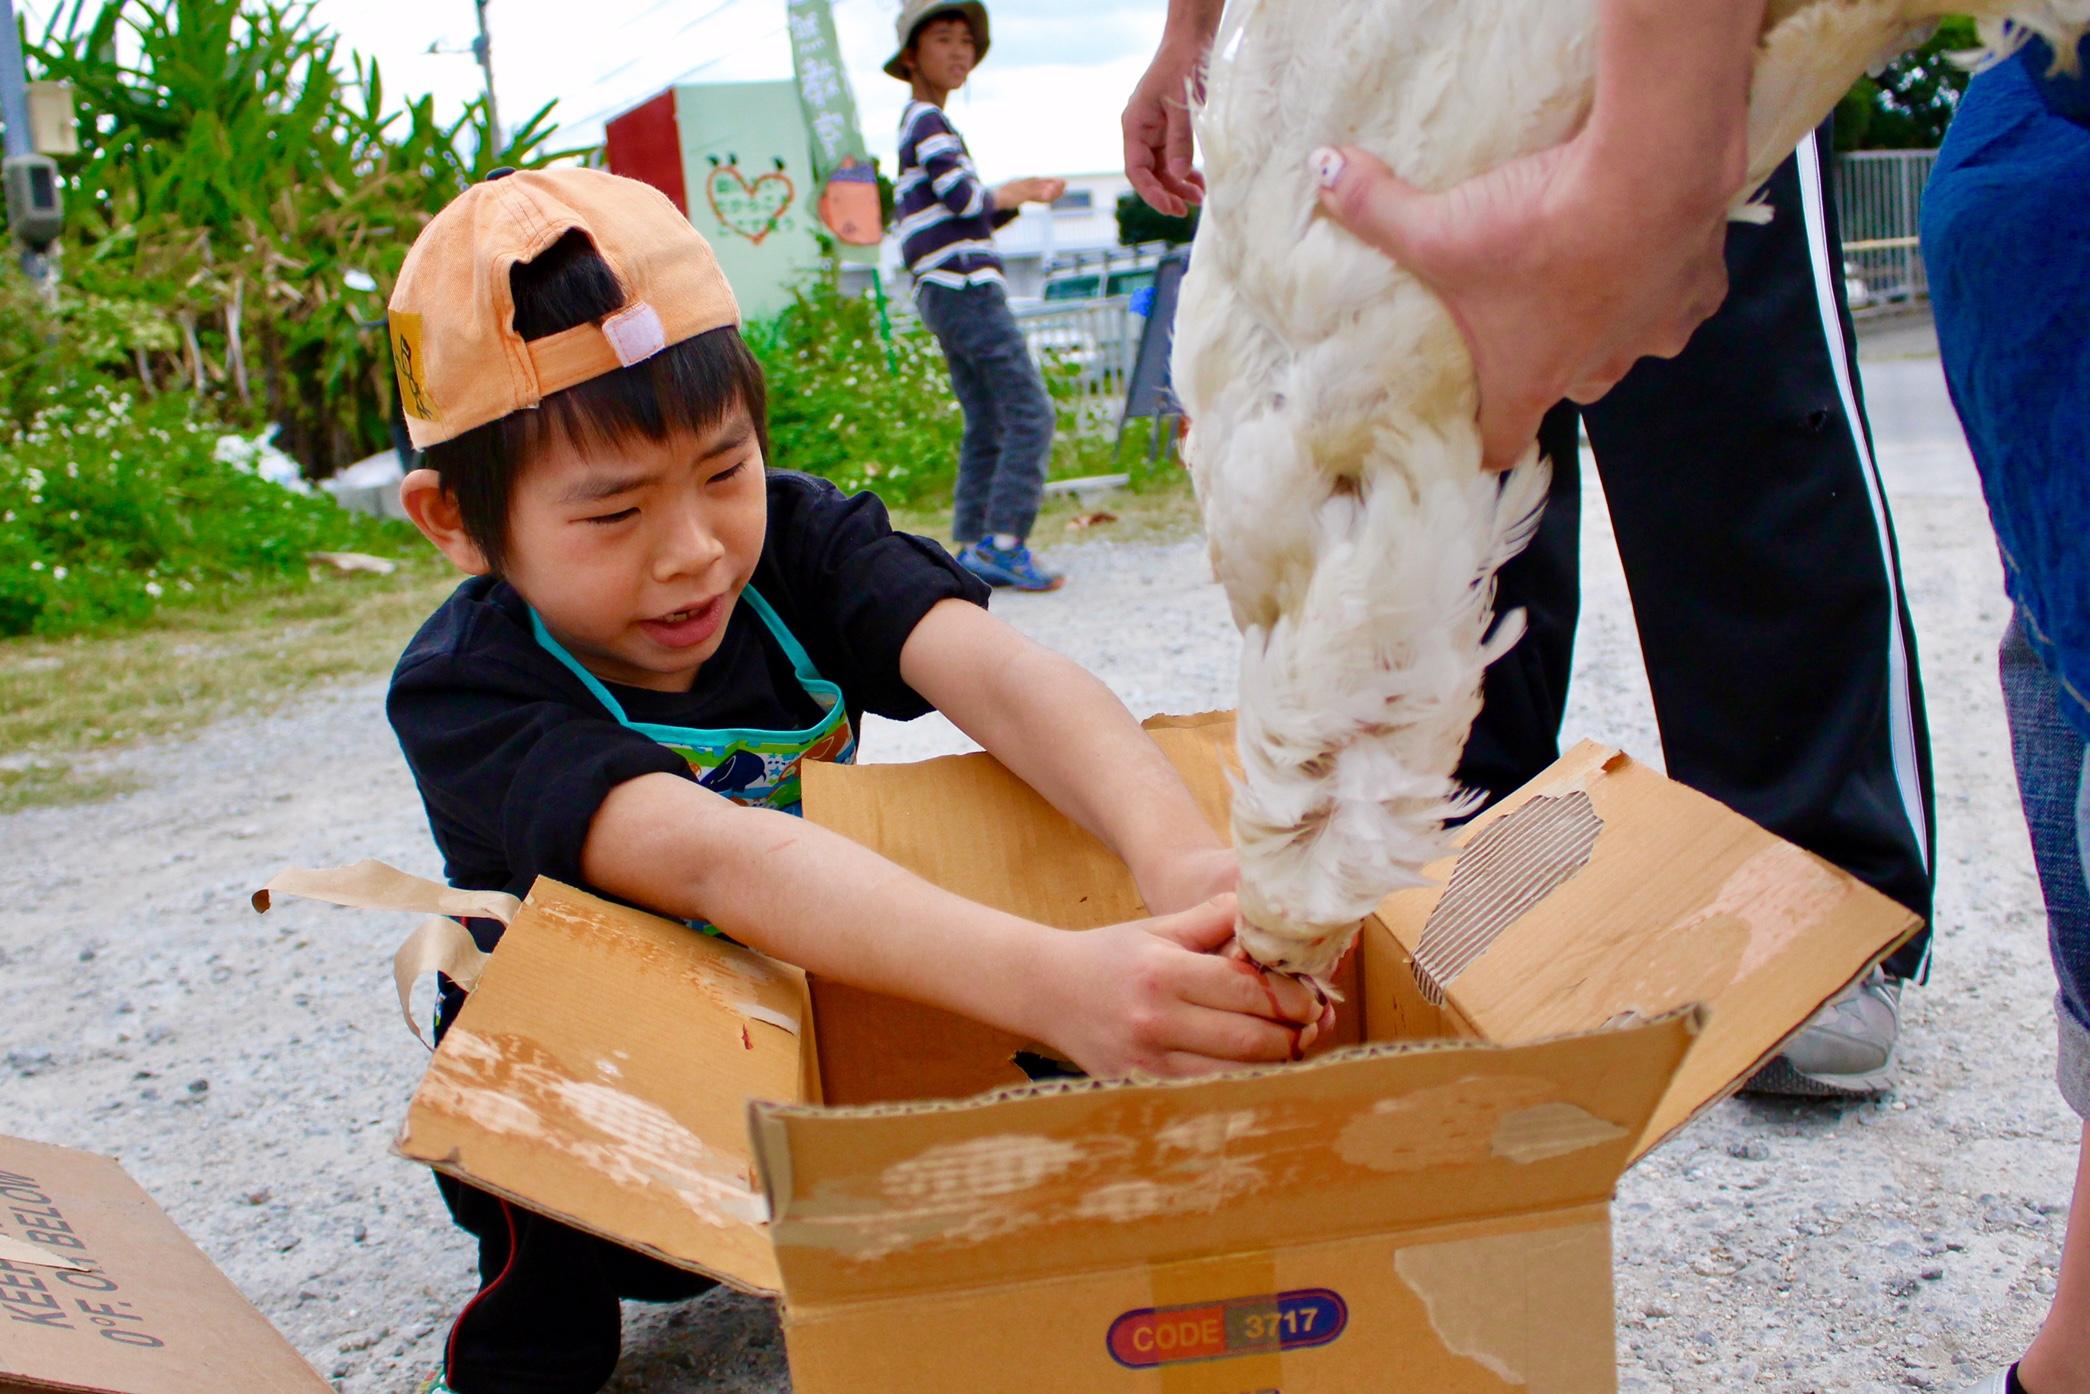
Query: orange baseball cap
459,360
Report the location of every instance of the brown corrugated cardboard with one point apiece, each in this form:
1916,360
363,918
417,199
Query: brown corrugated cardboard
1610,954
102,1294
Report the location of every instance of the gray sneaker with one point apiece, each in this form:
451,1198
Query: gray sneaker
1996,1383
1846,1051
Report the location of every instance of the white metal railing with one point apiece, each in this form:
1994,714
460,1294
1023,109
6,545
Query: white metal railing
1879,197
1085,347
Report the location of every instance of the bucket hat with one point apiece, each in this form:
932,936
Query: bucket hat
915,13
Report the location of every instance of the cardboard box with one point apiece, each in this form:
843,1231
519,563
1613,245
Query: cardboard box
1425,1209
101,1293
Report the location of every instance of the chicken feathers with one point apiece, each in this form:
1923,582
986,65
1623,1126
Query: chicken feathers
1332,404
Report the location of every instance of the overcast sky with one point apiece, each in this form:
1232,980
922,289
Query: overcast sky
1045,101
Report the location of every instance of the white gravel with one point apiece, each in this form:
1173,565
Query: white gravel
250,1071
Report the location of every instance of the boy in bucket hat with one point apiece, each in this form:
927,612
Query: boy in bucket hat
946,220
657,631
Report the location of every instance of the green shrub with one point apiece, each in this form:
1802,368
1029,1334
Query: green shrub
838,408
843,407
112,507
236,164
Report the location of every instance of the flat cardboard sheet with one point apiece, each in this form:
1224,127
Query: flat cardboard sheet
101,1293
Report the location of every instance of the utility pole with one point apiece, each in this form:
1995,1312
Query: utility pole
35,211
14,91
482,49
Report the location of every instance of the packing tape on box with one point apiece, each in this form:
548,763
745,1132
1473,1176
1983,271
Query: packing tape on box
440,944
16,1252
1214,1323
371,885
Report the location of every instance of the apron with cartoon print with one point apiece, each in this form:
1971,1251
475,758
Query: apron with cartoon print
751,766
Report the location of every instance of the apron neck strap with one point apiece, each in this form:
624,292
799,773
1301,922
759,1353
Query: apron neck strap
801,662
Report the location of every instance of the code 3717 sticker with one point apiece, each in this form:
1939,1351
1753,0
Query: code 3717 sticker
1153,1336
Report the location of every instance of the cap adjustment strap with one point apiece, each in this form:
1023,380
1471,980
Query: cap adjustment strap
632,335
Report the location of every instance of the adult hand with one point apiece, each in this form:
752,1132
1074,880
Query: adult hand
1560,268
1159,152
1151,997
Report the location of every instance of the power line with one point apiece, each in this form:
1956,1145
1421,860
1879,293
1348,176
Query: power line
605,79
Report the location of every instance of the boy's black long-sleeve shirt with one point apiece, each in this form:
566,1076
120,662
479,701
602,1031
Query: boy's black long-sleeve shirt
513,756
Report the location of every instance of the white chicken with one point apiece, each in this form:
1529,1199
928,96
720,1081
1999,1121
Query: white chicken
1332,402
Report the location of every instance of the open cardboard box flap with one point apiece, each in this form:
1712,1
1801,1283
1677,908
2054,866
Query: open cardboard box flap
601,1072
1545,926
1060,1179
603,1069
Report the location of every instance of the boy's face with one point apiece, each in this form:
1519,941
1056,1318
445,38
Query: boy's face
634,556
942,53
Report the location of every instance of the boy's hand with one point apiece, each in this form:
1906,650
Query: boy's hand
1152,998
1018,192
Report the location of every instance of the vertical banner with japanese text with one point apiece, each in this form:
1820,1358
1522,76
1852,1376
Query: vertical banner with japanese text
848,204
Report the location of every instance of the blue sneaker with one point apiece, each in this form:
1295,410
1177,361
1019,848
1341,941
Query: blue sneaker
1009,566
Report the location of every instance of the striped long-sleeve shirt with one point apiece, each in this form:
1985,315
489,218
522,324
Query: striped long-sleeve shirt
946,217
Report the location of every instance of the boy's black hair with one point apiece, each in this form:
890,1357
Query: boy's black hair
690,387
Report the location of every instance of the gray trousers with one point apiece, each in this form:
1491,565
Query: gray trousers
1008,416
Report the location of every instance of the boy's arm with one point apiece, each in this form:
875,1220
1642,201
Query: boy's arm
938,151
1131,998
1065,734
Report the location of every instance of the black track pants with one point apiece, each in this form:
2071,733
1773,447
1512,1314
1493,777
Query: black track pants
546,1319
1753,527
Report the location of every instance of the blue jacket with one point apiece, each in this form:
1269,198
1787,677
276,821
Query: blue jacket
2006,238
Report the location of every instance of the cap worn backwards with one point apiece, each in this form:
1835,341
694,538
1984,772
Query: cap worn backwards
459,360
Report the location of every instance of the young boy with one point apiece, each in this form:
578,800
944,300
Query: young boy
657,630
947,219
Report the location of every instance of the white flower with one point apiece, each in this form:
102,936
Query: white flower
154,589
36,566
58,573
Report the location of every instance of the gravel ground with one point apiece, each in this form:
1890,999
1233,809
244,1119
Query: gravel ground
250,1071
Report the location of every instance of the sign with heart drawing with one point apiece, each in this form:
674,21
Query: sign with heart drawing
751,183
750,208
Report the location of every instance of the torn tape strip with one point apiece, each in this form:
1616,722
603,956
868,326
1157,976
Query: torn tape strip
1510,867
755,1011
439,945
15,1251
371,885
